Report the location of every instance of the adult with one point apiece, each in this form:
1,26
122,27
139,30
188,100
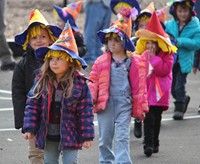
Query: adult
7,62
98,16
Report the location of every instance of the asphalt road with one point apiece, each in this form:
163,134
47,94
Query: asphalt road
179,140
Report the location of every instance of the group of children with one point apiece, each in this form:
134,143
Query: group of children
54,103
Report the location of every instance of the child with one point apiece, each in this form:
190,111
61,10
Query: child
38,34
116,95
59,105
70,13
186,30
140,23
160,51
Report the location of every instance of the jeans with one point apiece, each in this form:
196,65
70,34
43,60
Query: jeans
52,154
178,84
5,52
97,18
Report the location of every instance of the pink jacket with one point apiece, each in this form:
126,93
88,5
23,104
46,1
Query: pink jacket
100,77
160,80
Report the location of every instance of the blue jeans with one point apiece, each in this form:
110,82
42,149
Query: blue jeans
97,18
178,84
52,154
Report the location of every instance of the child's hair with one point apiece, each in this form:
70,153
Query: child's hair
145,17
183,5
35,31
47,77
109,35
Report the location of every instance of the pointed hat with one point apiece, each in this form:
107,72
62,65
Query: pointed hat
69,13
36,18
122,27
66,43
155,31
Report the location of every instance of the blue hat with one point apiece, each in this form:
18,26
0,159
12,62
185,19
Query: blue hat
189,3
36,18
117,5
69,13
66,43
122,27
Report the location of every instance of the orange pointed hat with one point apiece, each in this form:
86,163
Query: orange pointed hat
154,31
148,11
162,14
69,13
122,27
36,18
66,43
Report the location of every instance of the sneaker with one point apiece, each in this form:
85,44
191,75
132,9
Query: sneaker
155,149
137,129
8,66
187,100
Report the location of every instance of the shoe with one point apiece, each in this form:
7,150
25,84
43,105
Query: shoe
187,100
155,149
148,151
199,109
137,129
178,115
8,66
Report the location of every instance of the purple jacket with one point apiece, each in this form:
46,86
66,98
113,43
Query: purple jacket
160,80
76,116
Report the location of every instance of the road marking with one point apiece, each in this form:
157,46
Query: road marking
5,91
96,123
5,109
5,98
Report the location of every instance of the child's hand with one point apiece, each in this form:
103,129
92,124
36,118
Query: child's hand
87,144
28,136
194,70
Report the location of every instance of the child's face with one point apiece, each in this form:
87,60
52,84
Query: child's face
142,24
60,23
115,44
59,66
183,13
152,46
42,40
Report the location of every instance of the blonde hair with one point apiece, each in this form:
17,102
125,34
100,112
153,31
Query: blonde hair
47,77
35,31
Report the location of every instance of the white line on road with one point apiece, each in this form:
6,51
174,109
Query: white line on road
5,98
5,109
5,91
132,122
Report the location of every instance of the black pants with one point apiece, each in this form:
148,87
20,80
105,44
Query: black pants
152,124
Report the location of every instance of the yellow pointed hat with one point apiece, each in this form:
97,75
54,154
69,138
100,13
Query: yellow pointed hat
36,18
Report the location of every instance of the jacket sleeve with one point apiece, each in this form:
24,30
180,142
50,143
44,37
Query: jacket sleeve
94,83
18,94
32,113
138,76
85,114
162,65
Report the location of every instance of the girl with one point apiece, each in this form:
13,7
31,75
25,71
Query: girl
185,29
38,34
160,51
114,91
59,105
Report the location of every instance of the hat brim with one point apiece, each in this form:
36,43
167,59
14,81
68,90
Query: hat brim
127,44
66,18
21,38
41,52
132,3
142,33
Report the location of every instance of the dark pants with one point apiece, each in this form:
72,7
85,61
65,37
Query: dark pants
178,84
152,124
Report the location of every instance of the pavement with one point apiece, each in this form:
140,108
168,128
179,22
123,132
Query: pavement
179,140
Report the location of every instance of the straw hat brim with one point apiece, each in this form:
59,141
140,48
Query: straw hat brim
142,33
